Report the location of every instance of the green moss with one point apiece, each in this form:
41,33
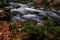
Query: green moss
37,31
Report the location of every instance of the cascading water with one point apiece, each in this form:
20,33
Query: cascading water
26,11
17,18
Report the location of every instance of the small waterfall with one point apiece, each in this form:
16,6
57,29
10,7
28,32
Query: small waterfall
26,11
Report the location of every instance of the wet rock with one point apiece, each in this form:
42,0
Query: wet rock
7,9
1,11
4,15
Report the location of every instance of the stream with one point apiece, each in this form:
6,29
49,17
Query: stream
26,13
